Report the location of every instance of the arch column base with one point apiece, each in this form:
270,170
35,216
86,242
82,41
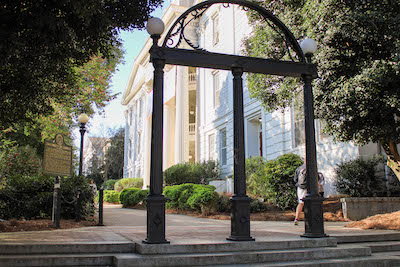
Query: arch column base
240,219
313,217
155,220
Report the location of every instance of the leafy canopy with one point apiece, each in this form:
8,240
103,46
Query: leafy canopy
43,41
358,90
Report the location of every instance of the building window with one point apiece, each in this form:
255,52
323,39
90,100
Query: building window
299,128
211,147
215,23
216,88
139,142
223,154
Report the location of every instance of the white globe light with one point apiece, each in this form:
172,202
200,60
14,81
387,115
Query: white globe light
83,118
309,46
155,26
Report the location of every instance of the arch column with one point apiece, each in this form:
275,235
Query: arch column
240,215
156,200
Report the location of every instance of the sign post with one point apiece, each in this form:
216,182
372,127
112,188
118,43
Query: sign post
57,162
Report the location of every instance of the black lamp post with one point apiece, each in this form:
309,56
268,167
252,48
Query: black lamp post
83,119
156,200
313,212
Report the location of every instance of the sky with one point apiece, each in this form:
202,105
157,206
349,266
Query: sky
113,117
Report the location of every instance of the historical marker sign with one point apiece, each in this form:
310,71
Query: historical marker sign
57,157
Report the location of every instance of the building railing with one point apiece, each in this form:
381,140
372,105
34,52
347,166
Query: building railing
192,128
192,78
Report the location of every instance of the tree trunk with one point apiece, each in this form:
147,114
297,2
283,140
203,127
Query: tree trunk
393,160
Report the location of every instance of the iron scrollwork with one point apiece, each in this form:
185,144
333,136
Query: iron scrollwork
176,34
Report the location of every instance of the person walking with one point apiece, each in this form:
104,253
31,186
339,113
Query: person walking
301,185
300,178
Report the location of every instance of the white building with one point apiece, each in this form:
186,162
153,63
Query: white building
198,108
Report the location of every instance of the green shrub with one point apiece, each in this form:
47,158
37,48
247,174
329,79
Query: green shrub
110,196
130,197
109,184
257,206
20,161
255,176
361,178
32,196
196,173
224,203
273,179
128,183
202,198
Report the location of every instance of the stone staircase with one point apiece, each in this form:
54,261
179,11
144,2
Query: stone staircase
339,251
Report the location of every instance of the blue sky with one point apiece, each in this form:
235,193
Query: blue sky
113,117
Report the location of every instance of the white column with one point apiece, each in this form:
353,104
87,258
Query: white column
146,159
166,137
179,116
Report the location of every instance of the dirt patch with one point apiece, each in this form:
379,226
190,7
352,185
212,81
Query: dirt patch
388,221
14,225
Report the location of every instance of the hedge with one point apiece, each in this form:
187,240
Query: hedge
109,184
110,196
366,178
202,198
130,197
128,183
196,173
32,197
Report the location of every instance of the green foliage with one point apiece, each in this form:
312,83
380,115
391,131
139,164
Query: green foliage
110,196
357,93
32,196
128,183
202,198
224,204
364,178
114,157
109,184
273,179
130,197
21,161
257,206
255,176
197,173
44,41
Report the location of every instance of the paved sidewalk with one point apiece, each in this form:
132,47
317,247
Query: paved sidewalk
124,225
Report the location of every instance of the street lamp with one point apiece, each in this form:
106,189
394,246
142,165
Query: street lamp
313,212
309,47
83,119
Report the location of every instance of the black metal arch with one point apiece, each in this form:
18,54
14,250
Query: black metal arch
161,55
198,10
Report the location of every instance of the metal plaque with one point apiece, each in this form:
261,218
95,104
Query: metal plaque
57,157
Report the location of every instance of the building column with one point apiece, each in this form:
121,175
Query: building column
179,117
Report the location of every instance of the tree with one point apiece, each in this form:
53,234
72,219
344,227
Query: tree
358,90
43,41
114,158
94,93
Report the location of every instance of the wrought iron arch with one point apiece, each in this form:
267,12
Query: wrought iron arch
161,55
177,29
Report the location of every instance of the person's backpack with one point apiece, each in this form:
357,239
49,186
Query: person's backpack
302,179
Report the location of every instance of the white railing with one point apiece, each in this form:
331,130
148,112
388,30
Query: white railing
192,128
192,77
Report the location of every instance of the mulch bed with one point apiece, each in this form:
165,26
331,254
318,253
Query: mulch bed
14,225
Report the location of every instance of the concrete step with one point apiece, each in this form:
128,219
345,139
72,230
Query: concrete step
382,246
227,246
71,248
393,236
246,257
369,261
57,260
